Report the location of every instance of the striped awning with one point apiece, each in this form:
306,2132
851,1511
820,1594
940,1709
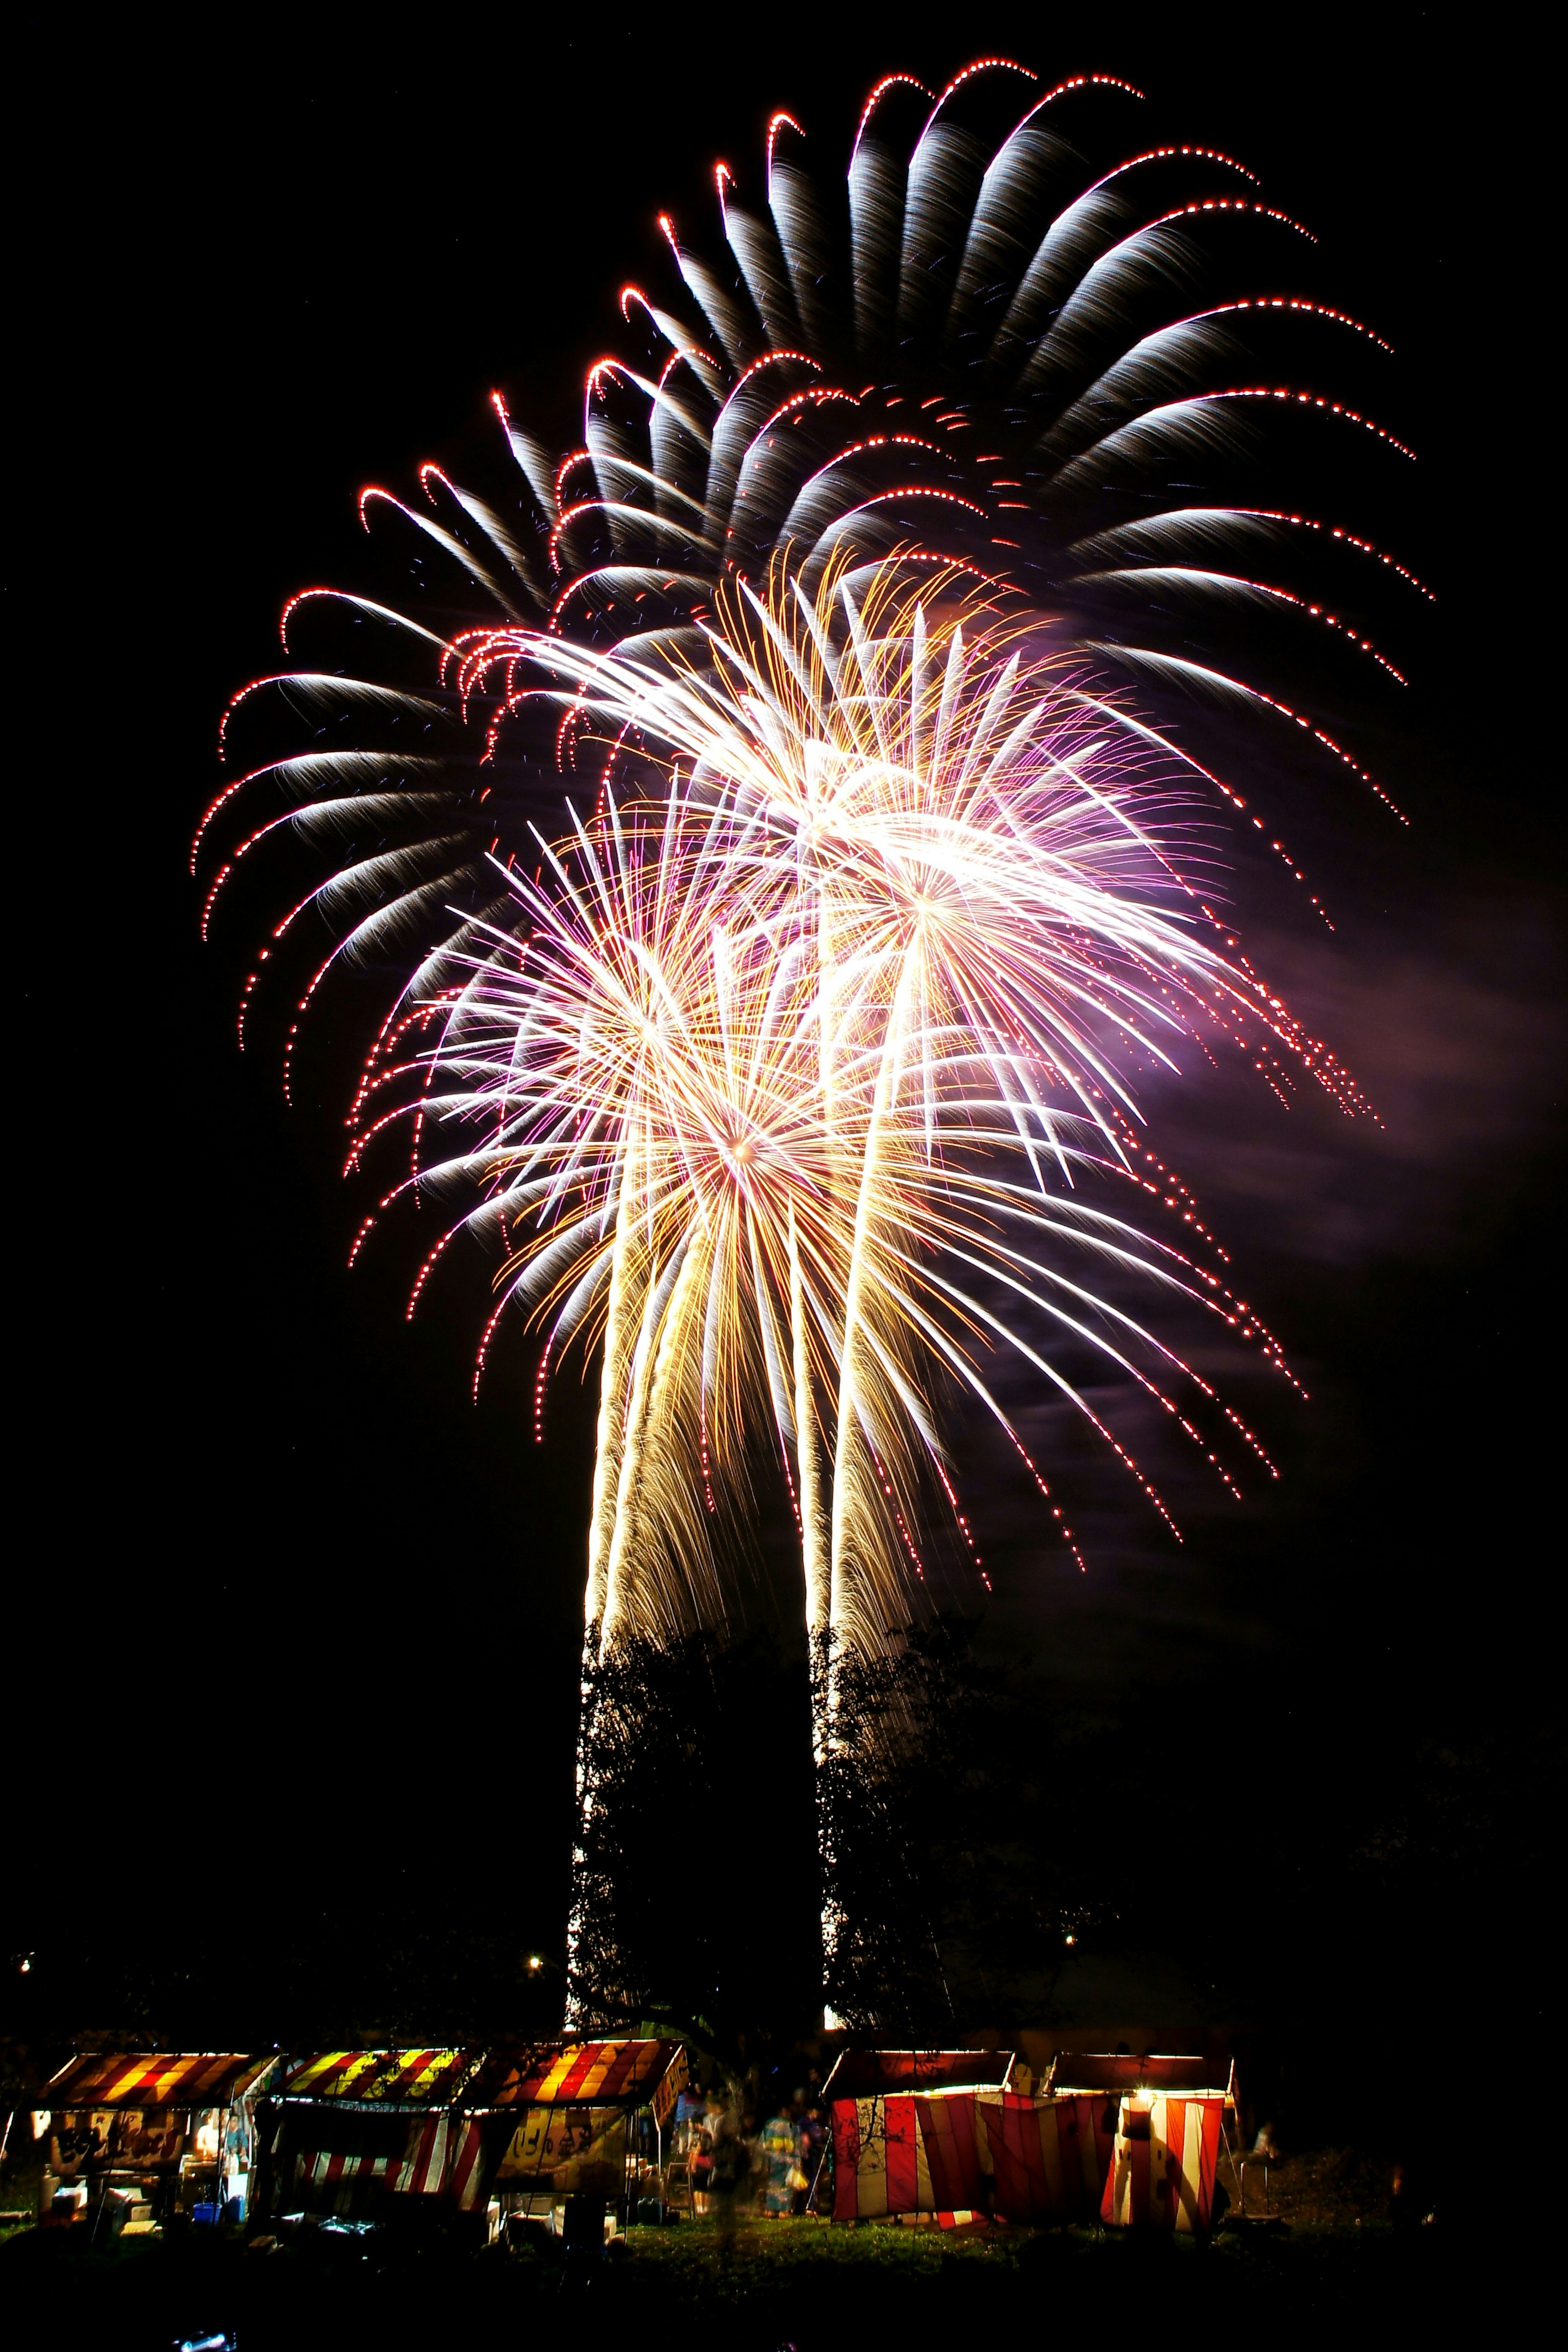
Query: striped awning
870,2074
571,2074
414,2078
1120,2072
158,2078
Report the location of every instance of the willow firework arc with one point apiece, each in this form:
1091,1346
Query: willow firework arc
873,637
902,877
956,358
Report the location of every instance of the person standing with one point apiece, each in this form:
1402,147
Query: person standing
730,2177
780,2149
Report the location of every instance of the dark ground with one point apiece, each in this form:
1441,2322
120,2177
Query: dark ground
805,2284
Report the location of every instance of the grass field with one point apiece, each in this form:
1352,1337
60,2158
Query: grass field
807,2285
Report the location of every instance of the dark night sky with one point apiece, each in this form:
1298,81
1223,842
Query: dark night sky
288,1606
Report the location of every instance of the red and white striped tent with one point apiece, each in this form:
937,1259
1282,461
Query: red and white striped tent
1046,2158
905,2132
1130,2141
1164,2118
960,2154
1162,2169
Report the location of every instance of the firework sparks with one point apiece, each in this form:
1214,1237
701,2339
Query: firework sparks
785,1069
1003,365
780,1080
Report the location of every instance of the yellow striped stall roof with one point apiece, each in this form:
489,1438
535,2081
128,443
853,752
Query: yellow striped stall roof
420,2078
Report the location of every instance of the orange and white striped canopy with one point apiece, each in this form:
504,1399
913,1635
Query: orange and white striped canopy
158,2078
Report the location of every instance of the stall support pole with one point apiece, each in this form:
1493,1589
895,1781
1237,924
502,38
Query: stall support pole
659,2142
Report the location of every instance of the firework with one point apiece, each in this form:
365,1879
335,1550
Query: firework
791,1078
974,345
778,1082
969,856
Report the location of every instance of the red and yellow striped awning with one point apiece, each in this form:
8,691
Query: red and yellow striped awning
159,2078
571,2074
415,2078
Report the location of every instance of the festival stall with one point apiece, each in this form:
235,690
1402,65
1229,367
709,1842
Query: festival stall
394,2135
1128,2140
1158,2123
562,2119
142,2136
373,2134
906,2136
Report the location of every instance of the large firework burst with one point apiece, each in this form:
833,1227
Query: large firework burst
858,611
982,344
782,1071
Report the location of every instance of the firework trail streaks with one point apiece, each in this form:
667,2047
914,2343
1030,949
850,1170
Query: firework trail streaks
957,855
979,343
958,367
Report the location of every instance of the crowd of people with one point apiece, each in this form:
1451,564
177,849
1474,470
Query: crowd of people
732,2163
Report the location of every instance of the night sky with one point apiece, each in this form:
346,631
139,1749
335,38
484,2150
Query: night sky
293,1625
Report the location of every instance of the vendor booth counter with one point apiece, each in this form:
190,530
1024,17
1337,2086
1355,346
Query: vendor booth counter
1112,2138
136,2139
401,2137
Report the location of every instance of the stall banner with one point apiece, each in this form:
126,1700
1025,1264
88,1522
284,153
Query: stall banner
1044,2157
1162,2169
556,2145
667,2090
130,2135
